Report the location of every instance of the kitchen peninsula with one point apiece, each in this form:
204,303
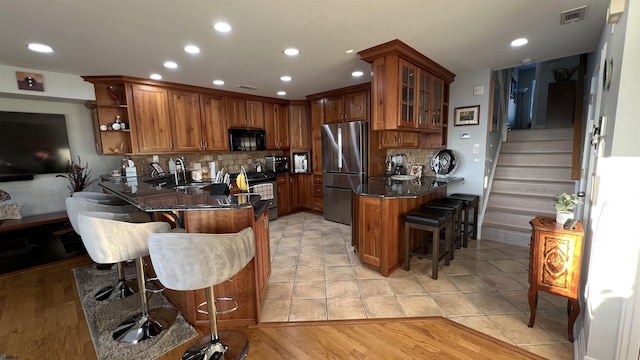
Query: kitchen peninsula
199,212
378,207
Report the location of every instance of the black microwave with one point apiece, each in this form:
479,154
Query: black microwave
247,140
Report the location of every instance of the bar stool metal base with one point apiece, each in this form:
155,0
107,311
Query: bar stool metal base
232,345
118,291
140,327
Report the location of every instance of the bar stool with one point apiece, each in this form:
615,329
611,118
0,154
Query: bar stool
455,206
85,201
99,198
432,220
201,261
470,203
110,238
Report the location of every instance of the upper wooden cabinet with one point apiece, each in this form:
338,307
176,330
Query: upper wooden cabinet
352,106
245,113
317,120
152,119
276,121
390,139
187,128
409,90
214,123
299,127
111,103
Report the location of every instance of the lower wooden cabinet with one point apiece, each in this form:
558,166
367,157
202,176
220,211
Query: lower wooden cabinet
304,190
263,252
284,195
318,201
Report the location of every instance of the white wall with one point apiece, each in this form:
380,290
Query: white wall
609,322
64,94
470,166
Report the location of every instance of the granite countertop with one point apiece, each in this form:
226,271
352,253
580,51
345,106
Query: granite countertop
386,187
147,195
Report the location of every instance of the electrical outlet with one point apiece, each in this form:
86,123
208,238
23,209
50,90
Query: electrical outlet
156,158
476,148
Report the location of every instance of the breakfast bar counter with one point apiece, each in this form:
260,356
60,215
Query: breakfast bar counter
377,216
198,212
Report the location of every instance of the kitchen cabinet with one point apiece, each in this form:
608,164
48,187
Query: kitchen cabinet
186,124
153,128
263,253
214,123
298,127
317,120
554,265
284,195
304,190
398,139
409,90
244,113
318,203
276,120
351,106
111,103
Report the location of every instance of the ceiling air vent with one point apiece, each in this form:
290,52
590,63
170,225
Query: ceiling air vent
247,87
573,15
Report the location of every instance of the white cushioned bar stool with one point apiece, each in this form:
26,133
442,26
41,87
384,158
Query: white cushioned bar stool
110,238
201,261
470,204
430,220
87,201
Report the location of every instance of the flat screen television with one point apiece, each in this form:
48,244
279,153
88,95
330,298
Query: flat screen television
32,143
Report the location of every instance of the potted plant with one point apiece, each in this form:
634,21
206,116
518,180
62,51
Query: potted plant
78,176
565,203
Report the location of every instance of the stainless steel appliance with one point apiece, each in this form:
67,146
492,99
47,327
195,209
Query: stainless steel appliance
247,140
301,162
278,164
344,166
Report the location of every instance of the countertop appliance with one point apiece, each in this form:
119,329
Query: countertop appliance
344,166
301,162
278,164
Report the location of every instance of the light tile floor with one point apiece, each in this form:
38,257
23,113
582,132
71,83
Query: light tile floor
317,276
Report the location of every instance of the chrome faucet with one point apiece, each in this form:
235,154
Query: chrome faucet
181,164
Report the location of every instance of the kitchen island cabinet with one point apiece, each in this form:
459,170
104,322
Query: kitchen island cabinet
204,213
378,209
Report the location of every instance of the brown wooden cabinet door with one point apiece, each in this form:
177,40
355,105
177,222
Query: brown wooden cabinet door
187,129
214,123
236,112
407,139
390,139
262,253
152,120
437,102
298,127
294,191
283,126
271,125
255,114
284,195
368,233
356,106
305,191
408,88
317,120
334,109
424,100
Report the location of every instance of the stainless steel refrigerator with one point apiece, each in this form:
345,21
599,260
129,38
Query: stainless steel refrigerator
344,166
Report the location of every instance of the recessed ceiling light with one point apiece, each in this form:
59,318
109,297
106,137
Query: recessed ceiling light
41,48
527,61
222,27
156,76
218,82
192,49
357,73
292,51
349,51
519,42
281,93
285,78
170,65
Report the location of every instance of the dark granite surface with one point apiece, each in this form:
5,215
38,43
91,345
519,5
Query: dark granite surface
148,195
388,188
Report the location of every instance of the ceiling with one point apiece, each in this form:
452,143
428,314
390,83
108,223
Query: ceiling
135,38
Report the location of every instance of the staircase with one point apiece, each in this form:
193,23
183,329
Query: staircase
533,167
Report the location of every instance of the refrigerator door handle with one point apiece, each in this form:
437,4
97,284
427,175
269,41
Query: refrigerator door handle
339,148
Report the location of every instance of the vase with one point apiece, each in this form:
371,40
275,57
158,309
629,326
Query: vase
562,216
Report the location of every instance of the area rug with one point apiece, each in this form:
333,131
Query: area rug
104,316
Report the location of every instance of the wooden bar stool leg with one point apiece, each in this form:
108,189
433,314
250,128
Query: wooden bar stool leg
465,228
435,257
448,233
407,241
475,223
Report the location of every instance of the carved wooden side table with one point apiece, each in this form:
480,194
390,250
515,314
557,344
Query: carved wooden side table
554,265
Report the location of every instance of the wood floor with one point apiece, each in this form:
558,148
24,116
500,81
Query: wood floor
41,317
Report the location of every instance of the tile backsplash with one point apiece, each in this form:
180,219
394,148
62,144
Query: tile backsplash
416,157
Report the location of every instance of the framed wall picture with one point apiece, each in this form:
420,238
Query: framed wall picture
469,115
494,103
